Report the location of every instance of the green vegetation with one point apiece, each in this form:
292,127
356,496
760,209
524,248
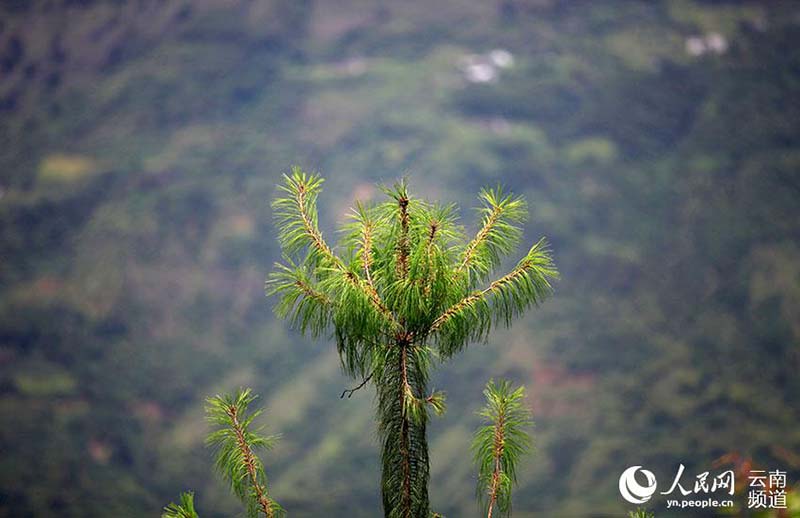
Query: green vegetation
183,510
141,143
235,444
409,290
499,445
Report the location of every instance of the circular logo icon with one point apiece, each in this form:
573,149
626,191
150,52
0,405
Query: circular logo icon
634,492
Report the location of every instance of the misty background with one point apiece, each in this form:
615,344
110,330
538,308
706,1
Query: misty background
141,142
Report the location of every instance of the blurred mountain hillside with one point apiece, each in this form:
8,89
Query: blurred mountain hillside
658,143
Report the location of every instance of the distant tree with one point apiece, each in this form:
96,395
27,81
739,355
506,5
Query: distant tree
404,289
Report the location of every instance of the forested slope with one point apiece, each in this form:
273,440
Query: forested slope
658,145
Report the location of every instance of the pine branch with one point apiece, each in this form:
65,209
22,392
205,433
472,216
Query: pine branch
471,317
312,291
234,443
364,236
296,215
416,407
499,444
248,458
432,261
403,247
403,244
183,510
301,300
499,234
488,224
367,229
433,227
297,218
350,392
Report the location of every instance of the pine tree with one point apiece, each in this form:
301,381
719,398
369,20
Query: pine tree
499,444
404,289
235,444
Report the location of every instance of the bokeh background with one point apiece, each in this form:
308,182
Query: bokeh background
141,142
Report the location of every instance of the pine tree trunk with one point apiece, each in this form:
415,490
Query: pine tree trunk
404,448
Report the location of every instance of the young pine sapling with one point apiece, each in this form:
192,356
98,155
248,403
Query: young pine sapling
499,444
404,289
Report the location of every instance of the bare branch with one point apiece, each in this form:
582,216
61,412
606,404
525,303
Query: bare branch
350,392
